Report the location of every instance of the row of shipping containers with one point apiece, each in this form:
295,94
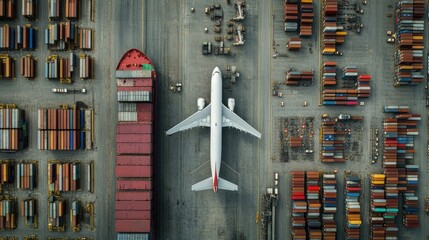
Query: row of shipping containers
329,205
68,36
62,69
19,37
311,219
409,28
70,8
7,67
28,67
56,8
65,129
297,78
134,153
9,212
298,14
332,34
13,129
64,176
352,211
344,96
22,175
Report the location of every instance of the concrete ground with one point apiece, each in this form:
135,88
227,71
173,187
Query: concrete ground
171,36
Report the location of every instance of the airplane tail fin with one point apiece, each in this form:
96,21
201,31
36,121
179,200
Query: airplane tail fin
203,185
225,185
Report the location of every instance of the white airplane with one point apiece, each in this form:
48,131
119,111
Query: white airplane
240,14
240,40
215,116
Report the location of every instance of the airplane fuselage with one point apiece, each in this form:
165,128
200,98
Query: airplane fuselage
216,126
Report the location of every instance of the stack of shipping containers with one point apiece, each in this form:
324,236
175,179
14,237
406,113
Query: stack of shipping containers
134,211
297,78
352,192
329,74
28,66
8,216
290,14
28,8
332,33
7,67
63,176
294,44
329,205
332,143
313,218
409,23
64,129
299,206
29,212
19,37
307,16
7,9
13,129
344,96
26,175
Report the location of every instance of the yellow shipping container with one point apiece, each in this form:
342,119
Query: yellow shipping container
341,33
378,176
356,222
417,37
328,51
306,1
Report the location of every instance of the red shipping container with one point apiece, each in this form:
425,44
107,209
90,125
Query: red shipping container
133,205
132,226
143,148
132,215
133,89
137,138
144,116
144,107
133,160
134,128
143,82
129,196
134,185
133,171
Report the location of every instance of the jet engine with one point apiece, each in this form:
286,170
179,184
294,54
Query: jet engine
201,103
231,104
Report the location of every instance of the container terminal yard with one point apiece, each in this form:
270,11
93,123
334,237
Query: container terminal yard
337,89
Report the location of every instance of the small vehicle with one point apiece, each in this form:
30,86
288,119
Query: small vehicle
325,115
344,117
304,104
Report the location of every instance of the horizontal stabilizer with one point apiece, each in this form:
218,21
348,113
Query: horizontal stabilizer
225,185
203,185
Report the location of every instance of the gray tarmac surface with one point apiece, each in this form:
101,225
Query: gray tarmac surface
171,36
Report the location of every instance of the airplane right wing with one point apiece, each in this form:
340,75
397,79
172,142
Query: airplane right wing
198,119
230,119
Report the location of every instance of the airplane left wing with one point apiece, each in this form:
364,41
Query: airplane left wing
230,119
198,119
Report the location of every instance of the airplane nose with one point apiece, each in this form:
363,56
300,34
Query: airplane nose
216,70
